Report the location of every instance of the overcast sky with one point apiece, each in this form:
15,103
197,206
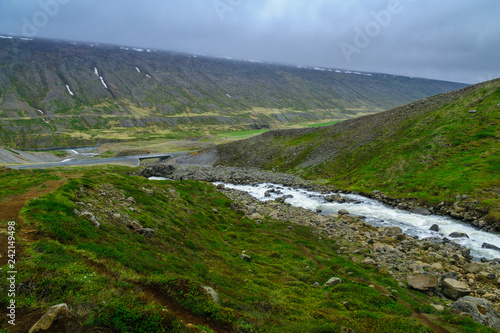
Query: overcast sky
455,40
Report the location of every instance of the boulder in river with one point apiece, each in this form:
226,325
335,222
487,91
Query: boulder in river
457,234
343,212
490,246
421,211
434,227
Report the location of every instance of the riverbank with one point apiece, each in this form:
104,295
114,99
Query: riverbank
435,267
463,208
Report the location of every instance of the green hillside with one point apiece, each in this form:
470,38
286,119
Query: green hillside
115,279
433,149
72,94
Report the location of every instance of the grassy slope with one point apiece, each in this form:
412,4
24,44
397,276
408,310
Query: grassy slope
173,95
121,282
431,149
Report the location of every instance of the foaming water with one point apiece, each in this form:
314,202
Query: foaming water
378,214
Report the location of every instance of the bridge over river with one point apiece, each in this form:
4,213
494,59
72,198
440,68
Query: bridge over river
132,161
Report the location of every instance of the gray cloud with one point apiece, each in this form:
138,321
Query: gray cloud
453,40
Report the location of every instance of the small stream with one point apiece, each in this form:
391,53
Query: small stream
378,214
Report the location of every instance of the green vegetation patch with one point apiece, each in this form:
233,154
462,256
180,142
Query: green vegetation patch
115,277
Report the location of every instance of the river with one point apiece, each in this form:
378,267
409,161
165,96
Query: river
378,214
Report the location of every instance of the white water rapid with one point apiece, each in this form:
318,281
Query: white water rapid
378,214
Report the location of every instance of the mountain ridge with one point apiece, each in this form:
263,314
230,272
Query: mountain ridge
55,93
431,149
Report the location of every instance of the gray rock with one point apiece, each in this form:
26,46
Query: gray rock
473,267
283,198
135,226
333,282
490,246
316,284
421,211
450,275
394,231
246,257
54,313
369,262
423,282
454,289
472,111
147,232
90,216
480,310
343,212
256,216
213,294
457,234
434,227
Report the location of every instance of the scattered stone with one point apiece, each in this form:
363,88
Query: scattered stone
480,310
379,247
438,307
369,262
316,284
135,226
421,211
246,257
423,282
343,212
333,282
437,267
90,216
473,267
434,227
450,275
472,111
256,216
131,200
213,294
283,198
54,313
457,234
454,289
147,232
215,211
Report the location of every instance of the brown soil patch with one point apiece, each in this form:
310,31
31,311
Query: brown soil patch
155,295
10,209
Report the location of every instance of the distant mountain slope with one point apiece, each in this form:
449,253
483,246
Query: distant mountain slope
59,93
432,149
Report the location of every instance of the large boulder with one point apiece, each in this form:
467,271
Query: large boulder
457,234
423,282
454,289
490,246
54,313
480,310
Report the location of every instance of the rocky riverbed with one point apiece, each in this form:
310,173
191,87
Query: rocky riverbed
434,267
